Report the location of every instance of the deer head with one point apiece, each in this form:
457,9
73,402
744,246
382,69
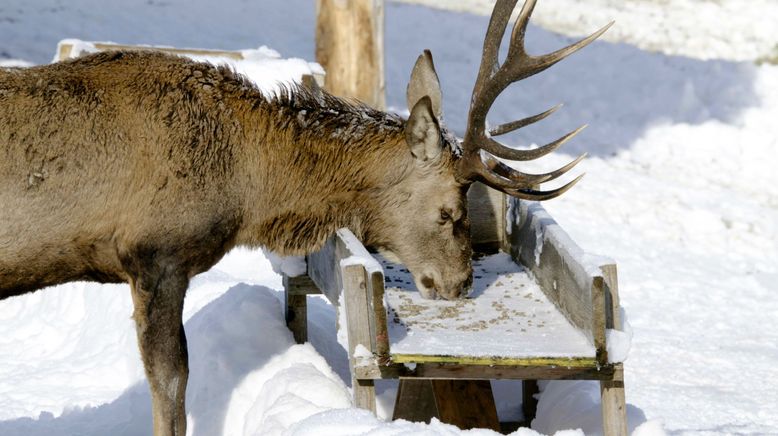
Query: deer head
434,204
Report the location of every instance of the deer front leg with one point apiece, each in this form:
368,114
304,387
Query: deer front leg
159,300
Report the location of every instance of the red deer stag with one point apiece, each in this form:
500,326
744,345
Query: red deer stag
146,168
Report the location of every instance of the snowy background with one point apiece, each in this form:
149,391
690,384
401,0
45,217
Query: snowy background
681,189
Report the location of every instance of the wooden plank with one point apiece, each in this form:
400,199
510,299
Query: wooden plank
484,372
324,271
611,291
300,285
575,362
466,403
486,210
614,408
296,305
379,317
415,401
296,314
358,329
350,47
480,372
612,392
540,244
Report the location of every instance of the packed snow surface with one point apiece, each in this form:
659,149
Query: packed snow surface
681,190
703,29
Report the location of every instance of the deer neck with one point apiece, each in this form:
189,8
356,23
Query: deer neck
317,164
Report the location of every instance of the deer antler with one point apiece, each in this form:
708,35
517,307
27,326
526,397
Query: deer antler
478,161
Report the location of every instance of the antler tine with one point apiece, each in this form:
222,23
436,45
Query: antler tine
493,78
518,124
531,194
497,25
520,29
501,176
483,94
504,152
550,59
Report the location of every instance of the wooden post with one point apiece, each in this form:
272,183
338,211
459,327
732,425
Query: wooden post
466,404
614,408
415,401
358,328
529,404
350,47
296,290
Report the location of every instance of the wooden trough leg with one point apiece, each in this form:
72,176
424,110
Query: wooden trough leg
364,394
529,404
296,305
614,408
358,328
297,317
415,401
464,403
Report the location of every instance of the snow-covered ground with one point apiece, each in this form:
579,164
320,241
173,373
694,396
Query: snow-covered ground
680,189
702,29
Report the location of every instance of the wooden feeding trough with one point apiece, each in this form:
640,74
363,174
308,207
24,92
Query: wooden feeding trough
539,310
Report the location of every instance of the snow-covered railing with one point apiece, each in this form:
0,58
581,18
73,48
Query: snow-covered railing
263,65
583,286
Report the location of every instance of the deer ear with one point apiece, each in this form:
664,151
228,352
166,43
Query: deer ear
424,81
423,132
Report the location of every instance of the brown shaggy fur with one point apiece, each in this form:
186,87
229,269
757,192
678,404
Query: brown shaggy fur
146,168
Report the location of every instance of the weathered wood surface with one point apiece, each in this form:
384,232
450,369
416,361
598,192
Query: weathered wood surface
324,270
614,404
486,210
612,303
378,310
296,315
300,285
465,403
350,47
415,401
324,266
612,392
572,281
577,362
346,273
357,309
529,404
485,372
